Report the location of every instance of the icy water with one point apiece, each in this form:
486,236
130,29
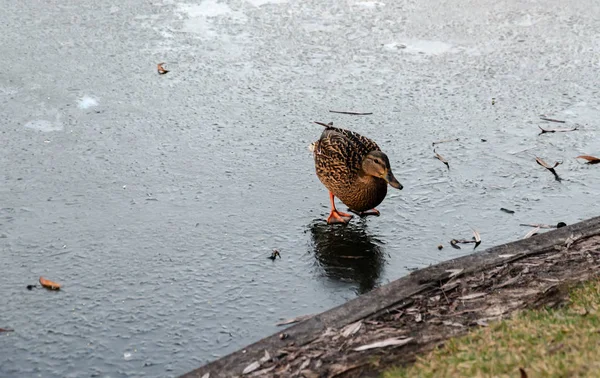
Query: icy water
155,199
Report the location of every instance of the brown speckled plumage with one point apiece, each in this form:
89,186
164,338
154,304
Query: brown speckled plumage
339,155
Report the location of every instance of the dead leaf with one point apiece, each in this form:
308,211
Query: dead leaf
454,272
49,284
384,343
523,373
590,159
161,69
207,375
337,370
261,373
458,325
507,210
531,233
477,238
557,130
544,164
304,364
266,357
294,320
351,329
6,330
441,158
309,374
471,296
418,318
250,368
551,169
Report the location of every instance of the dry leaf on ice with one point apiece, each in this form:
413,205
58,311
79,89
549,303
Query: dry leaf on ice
49,284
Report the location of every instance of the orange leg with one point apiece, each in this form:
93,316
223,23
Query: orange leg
366,213
337,216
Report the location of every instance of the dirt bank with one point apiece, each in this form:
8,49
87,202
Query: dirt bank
422,310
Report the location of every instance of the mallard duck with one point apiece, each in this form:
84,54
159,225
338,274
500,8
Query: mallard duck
354,169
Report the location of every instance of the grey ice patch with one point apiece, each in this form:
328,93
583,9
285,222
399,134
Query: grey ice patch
369,4
199,16
44,125
421,47
258,3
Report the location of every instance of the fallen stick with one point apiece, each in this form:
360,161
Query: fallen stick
552,120
350,113
444,141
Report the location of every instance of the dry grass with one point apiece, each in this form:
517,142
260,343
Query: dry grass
561,342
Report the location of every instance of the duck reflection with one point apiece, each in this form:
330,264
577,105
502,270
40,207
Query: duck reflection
348,254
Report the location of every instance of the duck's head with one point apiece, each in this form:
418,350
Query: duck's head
377,164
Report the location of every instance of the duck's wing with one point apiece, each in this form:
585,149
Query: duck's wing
363,142
340,152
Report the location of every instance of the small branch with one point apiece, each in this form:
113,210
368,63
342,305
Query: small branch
444,141
330,124
552,120
350,113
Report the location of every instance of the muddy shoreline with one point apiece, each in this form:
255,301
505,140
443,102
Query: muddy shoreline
423,309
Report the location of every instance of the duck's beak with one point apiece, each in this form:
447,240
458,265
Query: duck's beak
392,180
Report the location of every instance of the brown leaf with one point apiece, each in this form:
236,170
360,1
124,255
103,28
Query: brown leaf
6,330
551,169
523,373
161,69
441,158
544,164
590,159
49,284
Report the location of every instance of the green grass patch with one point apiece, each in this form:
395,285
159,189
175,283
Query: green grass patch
562,342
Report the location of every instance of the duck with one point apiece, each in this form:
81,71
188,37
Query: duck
354,169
